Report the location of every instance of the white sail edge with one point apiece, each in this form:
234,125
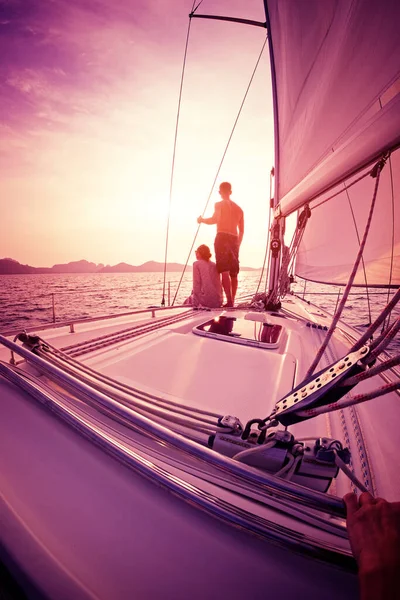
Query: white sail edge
377,138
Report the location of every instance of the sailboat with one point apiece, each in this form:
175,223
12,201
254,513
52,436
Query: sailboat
130,468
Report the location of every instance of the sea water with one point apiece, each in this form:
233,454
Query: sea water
33,300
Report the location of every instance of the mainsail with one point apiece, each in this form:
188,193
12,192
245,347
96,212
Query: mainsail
338,91
337,77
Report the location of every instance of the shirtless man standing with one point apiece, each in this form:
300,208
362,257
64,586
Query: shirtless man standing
228,217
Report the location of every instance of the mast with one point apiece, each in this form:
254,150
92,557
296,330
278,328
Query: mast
274,103
278,224
277,229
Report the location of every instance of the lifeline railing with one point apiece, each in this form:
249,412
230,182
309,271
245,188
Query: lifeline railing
48,301
71,322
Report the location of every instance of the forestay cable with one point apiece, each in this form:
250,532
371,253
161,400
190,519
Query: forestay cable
174,154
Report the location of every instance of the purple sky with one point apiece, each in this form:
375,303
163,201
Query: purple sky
89,93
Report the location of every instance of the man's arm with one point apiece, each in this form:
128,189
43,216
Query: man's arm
210,220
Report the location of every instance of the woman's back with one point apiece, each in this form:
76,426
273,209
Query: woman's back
207,289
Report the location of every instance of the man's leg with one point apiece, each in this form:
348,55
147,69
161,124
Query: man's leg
234,286
226,284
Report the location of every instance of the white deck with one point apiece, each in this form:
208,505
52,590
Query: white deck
87,526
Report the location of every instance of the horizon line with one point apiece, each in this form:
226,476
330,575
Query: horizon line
103,265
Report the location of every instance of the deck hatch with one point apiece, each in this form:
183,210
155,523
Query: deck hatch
241,331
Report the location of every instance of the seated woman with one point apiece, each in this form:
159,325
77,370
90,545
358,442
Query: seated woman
207,290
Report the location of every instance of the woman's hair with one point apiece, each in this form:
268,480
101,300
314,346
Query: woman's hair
204,252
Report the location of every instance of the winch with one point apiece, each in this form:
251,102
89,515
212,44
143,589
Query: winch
309,462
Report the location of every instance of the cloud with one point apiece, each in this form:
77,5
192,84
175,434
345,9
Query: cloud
81,67
64,56
89,94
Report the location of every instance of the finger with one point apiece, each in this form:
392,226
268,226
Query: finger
351,502
366,498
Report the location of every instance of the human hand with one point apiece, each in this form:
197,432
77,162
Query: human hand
199,220
373,526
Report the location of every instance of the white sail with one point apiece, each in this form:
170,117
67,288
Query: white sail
337,78
331,239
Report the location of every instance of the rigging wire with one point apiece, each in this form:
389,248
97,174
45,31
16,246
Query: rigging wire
340,191
289,255
383,340
174,154
220,165
362,258
194,9
377,172
392,253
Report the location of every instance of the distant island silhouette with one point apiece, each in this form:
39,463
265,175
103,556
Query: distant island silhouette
9,266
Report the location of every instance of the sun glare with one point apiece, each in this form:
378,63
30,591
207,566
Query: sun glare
90,133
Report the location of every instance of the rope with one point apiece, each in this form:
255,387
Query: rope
330,357
173,158
364,338
377,169
385,389
115,383
384,366
219,167
141,405
125,334
349,473
383,341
